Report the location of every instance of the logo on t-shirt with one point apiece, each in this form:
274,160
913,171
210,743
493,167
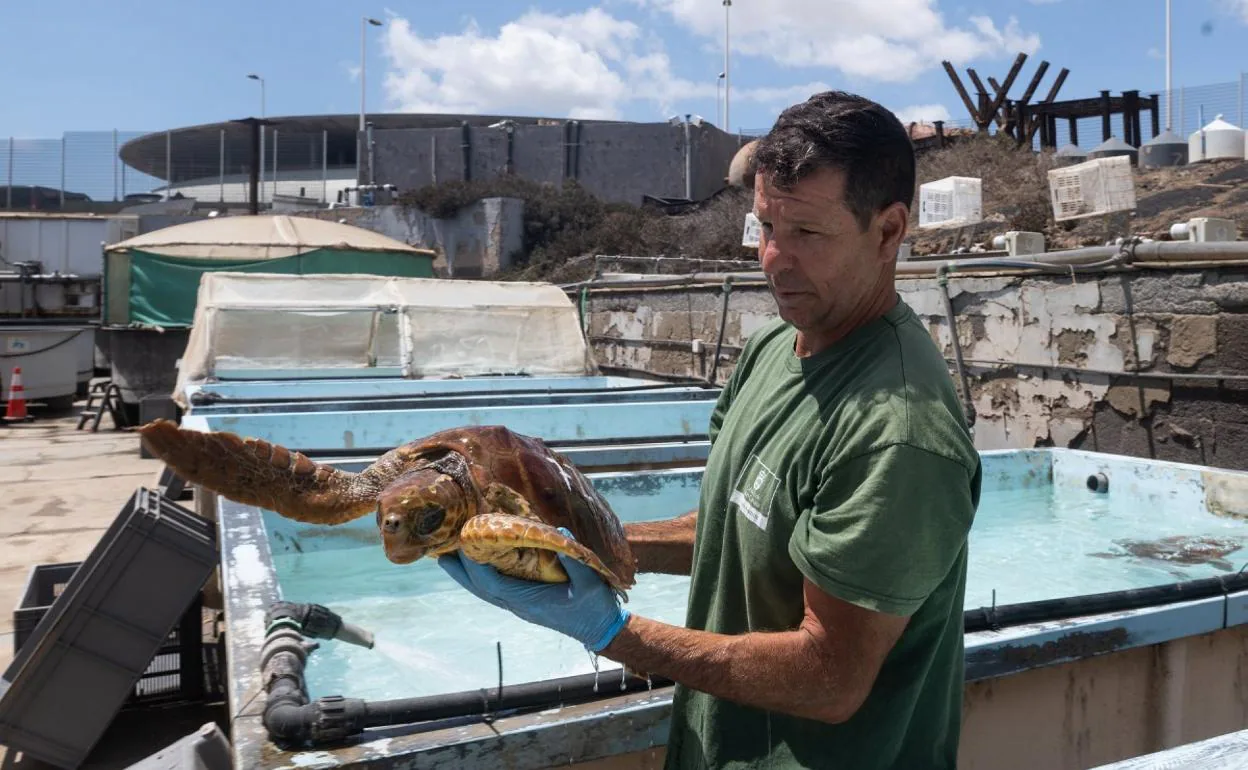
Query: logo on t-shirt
755,489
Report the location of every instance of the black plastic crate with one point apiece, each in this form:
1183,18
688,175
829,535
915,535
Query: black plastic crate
98,647
177,672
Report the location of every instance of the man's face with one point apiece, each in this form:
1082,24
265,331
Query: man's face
819,264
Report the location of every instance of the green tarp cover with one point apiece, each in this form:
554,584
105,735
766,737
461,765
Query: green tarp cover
163,289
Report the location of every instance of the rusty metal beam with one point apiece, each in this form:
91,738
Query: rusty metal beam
966,98
1057,85
1009,81
1035,81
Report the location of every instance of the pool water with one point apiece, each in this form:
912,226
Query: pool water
431,635
1028,543
1038,543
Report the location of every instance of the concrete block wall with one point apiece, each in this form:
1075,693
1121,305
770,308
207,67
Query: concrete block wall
618,162
1067,349
481,239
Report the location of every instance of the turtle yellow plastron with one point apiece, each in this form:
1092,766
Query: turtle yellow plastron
496,495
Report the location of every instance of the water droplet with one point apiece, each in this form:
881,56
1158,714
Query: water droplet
649,682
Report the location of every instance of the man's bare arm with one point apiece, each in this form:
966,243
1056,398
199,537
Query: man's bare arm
823,670
663,546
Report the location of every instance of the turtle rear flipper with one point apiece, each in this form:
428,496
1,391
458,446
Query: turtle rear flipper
526,548
254,472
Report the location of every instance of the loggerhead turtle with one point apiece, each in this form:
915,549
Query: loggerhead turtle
496,495
1179,549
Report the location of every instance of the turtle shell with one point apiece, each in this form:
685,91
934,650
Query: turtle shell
557,492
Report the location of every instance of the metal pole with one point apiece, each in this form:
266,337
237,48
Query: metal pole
8,190
62,171
274,194
1168,67
221,166
116,159
372,178
168,162
1241,100
727,77
359,148
324,165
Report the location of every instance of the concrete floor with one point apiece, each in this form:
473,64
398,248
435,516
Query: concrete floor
60,488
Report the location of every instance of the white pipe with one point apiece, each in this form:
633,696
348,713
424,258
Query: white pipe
1171,700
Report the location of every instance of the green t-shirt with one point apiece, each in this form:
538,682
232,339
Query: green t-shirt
853,468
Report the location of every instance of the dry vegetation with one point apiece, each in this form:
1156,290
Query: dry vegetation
1016,195
566,225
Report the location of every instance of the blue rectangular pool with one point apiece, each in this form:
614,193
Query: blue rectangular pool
1041,533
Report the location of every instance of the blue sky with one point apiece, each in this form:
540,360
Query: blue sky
83,65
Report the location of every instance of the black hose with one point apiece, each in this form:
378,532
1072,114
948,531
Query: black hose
333,718
995,618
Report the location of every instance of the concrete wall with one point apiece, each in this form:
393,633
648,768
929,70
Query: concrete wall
1088,712
615,161
482,238
1174,321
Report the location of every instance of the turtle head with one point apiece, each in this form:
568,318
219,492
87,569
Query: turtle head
420,513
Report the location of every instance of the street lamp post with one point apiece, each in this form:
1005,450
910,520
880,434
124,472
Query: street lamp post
727,78
254,76
359,142
719,105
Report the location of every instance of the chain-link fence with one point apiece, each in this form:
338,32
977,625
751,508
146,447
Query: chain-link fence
212,164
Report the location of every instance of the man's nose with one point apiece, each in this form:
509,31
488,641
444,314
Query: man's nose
773,258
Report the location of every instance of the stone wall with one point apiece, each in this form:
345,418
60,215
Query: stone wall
1095,362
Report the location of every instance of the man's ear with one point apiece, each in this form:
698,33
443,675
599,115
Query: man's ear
893,223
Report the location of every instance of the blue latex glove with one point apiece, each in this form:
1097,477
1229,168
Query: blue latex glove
585,609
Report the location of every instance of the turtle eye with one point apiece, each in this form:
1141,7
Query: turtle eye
430,520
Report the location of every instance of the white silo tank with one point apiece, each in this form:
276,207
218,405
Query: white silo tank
1217,140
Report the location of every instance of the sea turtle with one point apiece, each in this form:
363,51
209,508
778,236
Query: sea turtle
1180,549
496,495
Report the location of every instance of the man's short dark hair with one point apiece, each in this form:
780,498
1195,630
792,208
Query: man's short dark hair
848,132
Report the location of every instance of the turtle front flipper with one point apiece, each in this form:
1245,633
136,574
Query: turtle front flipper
254,472
525,548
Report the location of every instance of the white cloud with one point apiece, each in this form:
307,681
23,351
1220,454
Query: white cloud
882,40
923,113
1239,8
580,65
593,64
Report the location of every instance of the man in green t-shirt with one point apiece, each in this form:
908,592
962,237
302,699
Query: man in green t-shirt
828,552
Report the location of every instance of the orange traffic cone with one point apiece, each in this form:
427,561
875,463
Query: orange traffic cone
16,409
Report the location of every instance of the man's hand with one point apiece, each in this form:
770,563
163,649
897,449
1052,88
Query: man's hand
586,608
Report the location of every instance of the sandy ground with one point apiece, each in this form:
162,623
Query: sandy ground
60,488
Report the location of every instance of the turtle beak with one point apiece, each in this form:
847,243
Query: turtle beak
400,550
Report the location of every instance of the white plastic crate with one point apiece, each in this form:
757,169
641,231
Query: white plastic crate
951,202
1089,189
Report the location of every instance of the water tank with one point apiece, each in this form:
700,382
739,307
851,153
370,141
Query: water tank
1165,149
740,172
1111,147
1070,155
1217,140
